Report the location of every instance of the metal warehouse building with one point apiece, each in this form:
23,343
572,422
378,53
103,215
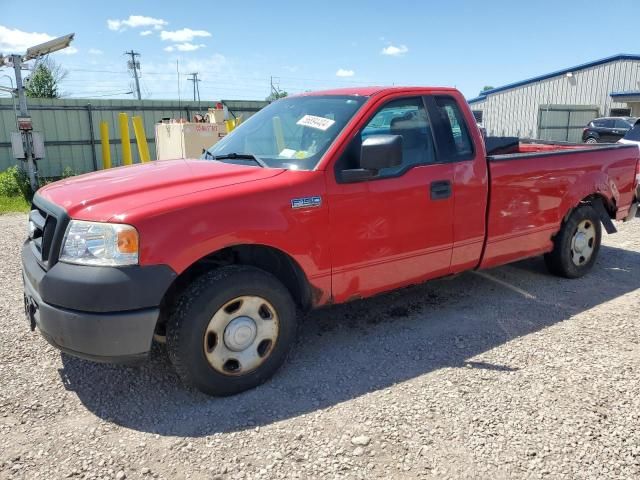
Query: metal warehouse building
558,105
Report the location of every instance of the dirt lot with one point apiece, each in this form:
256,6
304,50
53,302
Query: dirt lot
510,373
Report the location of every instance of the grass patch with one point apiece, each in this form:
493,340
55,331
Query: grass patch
13,205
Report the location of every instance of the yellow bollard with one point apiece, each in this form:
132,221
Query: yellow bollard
141,139
125,139
106,148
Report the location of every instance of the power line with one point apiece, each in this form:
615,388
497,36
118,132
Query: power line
135,66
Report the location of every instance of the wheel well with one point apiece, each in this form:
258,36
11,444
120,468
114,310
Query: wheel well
606,210
609,206
269,259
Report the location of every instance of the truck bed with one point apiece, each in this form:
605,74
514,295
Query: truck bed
534,186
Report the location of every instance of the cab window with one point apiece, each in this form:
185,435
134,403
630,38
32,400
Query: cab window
408,118
454,141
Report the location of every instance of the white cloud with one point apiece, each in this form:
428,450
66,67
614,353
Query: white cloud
95,51
394,51
183,35
13,40
144,33
345,73
68,51
184,47
136,21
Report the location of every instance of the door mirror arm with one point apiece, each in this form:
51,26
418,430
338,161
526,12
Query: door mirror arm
357,175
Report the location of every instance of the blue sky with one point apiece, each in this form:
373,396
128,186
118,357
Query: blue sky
237,46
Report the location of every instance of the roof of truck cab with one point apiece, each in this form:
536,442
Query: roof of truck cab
370,91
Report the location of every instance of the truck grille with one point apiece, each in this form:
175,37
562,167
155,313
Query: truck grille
43,234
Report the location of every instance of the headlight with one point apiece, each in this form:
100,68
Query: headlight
93,243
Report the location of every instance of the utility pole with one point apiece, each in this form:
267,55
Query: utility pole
24,123
24,113
196,88
275,88
135,66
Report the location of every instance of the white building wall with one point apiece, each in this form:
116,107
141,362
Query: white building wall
515,112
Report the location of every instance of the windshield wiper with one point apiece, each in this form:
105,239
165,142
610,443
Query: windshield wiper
235,156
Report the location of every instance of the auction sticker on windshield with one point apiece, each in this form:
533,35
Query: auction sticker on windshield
319,123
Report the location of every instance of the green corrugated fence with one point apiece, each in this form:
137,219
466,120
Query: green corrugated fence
71,127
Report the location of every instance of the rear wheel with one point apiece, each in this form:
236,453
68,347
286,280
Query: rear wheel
231,329
577,244
591,140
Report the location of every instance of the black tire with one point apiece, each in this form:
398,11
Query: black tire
560,260
189,320
591,140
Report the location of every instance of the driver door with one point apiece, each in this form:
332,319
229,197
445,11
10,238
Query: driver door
395,229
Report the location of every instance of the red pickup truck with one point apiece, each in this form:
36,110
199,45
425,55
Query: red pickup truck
317,199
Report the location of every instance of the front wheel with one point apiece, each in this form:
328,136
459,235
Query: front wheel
231,329
577,244
591,140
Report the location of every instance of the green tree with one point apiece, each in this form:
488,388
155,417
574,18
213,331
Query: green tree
275,96
44,81
486,87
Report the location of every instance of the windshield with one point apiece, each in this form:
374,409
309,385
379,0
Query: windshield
291,133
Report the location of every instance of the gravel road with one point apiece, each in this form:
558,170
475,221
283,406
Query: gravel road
510,373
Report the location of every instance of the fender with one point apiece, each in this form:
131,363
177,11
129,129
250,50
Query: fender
183,230
595,183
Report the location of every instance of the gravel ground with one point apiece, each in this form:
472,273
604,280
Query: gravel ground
510,373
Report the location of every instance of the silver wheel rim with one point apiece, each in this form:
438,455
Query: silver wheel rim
583,243
241,335
591,140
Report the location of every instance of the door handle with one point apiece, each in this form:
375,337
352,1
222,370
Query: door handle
440,189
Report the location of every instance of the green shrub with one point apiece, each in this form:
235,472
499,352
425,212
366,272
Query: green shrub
9,186
22,179
14,183
68,172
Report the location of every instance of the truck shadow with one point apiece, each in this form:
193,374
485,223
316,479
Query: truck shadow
347,351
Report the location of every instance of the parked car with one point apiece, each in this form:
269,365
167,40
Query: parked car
632,136
607,129
316,200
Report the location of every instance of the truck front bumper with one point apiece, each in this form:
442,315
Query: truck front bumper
104,314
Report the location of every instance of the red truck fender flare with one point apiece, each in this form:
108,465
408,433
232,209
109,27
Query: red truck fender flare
266,257
601,192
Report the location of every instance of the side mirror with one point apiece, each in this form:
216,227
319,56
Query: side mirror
381,151
377,152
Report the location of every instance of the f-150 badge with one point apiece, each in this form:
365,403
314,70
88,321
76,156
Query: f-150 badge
306,202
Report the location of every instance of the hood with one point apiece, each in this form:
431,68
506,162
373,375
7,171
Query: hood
101,195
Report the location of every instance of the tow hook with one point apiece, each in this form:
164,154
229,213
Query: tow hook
30,308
